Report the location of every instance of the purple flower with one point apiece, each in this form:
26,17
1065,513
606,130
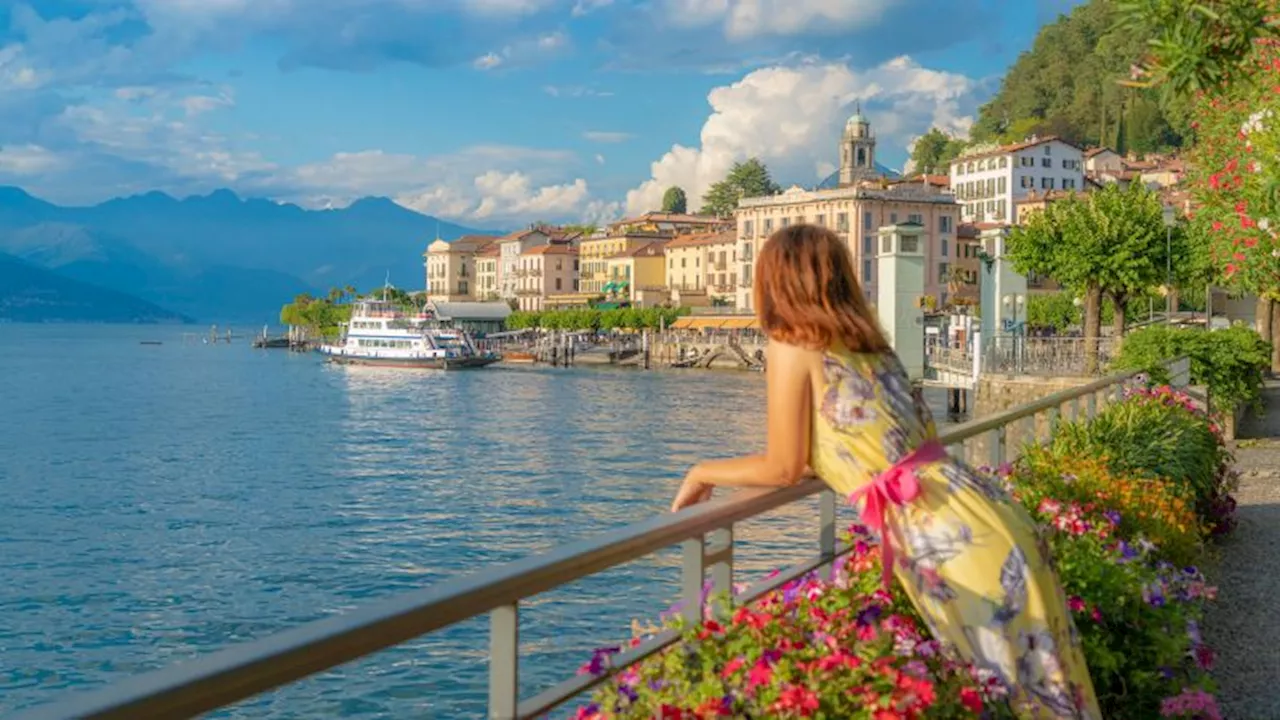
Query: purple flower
600,659
868,615
1112,516
628,692
1193,632
1153,594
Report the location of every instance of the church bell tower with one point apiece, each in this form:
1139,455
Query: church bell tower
857,150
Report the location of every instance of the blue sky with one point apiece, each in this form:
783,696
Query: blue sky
489,112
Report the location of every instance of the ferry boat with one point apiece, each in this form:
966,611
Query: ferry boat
380,333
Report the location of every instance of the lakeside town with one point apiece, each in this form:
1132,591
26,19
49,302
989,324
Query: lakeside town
675,259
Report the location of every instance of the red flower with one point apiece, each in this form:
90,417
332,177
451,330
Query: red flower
670,712
798,699
734,666
1076,603
1217,224
971,699
761,674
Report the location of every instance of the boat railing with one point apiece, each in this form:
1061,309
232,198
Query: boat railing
705,534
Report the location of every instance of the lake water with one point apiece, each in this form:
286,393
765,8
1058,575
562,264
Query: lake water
161,502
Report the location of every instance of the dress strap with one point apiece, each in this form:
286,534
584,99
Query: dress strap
897,485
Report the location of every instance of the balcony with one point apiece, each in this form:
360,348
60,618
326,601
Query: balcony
528,292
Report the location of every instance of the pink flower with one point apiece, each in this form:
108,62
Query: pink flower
1076,603
761,674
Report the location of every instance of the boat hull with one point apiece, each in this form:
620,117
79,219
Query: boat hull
466,363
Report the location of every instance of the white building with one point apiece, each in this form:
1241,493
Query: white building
510,248
987,180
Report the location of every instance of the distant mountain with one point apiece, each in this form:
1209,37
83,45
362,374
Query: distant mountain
219,257
33,294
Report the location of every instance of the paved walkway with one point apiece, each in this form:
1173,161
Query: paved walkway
1243,627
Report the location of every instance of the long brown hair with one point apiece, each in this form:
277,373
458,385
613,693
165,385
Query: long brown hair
806,293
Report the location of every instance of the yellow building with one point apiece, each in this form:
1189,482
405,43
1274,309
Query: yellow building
451,267
668,223
702,269
595,253
487,260
638,275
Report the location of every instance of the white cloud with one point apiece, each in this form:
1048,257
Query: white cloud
745,19
200,104
599,159
28,160
490,183
574,91
605,136
488,61
791,118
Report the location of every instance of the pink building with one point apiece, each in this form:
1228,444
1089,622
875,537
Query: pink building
545,270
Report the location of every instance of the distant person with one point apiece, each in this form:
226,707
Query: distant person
840,402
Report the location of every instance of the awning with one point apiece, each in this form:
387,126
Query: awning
706,323
741,323
609,287
682,323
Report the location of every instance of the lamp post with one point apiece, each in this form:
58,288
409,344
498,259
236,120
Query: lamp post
1170,219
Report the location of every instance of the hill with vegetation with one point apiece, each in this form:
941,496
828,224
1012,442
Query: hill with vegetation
35,295
1069,84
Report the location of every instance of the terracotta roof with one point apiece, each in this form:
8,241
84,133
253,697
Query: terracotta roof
942,181
1097,151
1015,147
516,235
492,249
653,249
551,249
702,239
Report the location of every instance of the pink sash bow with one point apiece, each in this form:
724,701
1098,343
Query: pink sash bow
897,485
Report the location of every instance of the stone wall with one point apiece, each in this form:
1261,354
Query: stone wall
1001,393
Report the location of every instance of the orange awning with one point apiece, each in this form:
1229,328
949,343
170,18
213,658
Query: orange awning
741,323
706,323
681,323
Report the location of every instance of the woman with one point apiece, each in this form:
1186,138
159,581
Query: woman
839,401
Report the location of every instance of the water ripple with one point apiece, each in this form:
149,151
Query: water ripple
164,502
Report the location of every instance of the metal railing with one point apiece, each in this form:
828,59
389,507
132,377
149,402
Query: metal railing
706,536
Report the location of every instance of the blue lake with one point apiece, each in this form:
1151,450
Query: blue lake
161,502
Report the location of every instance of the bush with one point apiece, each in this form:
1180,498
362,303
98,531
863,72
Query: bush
1231,362
840,647
592,319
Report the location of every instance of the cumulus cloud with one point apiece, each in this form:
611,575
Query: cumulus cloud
791,117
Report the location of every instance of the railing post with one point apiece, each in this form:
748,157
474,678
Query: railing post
827,528
504,662
998,446
1055,417
718,553
692,577
1092,405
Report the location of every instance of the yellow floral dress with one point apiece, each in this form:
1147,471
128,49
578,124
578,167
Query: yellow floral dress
969,557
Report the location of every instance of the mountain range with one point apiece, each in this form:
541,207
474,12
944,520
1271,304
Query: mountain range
32,294
218,257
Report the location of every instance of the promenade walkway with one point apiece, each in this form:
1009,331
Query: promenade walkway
1242,625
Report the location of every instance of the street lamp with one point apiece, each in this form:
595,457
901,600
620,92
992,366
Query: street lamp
1170,218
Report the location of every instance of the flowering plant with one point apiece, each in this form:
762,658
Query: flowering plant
836,645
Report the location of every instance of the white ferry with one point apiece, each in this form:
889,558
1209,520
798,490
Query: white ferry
380,333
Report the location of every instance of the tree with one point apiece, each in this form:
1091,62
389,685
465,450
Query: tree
1196,45
1110,242
674,200
745,179
933,152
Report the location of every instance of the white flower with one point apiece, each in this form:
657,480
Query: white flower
1264,224
1255,121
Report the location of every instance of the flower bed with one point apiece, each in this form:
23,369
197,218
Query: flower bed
1124,526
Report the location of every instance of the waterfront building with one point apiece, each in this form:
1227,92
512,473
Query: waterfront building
858,150
544,271
987,180
512,246
856,214
594,252
476,318
702,269
638,275
487,261
451,267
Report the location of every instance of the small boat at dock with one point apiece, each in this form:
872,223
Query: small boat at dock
382,334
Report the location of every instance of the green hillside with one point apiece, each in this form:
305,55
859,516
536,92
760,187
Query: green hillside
1066,84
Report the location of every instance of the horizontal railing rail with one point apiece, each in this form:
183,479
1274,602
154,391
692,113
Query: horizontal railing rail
705,533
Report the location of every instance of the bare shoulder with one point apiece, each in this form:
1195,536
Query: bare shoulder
782,355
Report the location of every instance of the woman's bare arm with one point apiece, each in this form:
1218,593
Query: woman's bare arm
786,456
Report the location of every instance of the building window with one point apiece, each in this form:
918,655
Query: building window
1028,181
1001,186
943,247
747,228
768,225
867,222
842,222
1068,183
868,245
1046,162
1048,150
462,288
820,220
944,224
1046,183
866,271
784,222
893,218
1027,161
942,273
1004,161
684,262
557,283
915,218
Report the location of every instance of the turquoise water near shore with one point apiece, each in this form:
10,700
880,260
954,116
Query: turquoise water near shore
161,502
